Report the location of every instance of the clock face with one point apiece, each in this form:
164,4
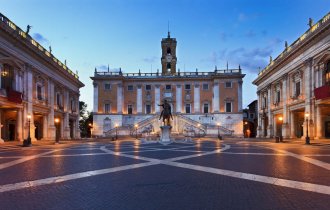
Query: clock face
168,58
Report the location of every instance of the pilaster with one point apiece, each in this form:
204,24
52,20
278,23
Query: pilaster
197,99
178,98
157,98
139,99
119,98
215,99
95,98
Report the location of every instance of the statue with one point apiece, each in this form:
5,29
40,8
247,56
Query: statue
28,29
166,113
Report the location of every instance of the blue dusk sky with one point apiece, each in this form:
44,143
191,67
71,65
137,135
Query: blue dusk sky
127,34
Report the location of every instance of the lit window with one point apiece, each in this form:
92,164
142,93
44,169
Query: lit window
228,107
7,77
327,74
188,108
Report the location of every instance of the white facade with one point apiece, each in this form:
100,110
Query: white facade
292,89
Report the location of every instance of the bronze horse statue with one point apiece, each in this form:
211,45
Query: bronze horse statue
166,113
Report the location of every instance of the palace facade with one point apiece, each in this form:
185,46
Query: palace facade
38,93
294,89
201,102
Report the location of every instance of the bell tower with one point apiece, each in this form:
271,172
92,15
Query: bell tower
168,55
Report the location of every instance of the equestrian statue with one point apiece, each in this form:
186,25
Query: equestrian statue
166,113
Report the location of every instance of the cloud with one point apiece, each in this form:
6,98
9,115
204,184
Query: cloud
40,38
150,59
249,59
250,34
105,68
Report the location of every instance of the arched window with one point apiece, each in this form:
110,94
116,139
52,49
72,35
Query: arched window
7,77
168,50
327,73
168,66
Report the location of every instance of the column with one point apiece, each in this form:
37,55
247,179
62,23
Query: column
259,128
1,125
139,99
308,108
119,99
19,123
157,98
292,125
270,117
1,67
284,94
44,127
240,97
96,98
178,98
318,134
29,92
51,126
197,108
66,128
215,100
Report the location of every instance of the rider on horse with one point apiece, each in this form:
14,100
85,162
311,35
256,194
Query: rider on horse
166,112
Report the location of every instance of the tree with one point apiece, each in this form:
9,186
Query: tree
86,120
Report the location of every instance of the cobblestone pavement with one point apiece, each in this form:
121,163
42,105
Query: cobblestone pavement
132,174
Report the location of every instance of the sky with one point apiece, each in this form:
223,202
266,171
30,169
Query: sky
126,34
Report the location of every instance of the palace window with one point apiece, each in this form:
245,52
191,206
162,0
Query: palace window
228,107
168,50
228,85
278,96
205,86
59,100
7,77
251,115
39,92
148,108
297,88
264,102
187,87
188,108
107,86
168,87
206,108
73,105
107,108
129,109
130,87
327,74
148,87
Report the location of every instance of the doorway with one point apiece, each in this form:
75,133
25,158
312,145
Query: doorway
11,131
327,129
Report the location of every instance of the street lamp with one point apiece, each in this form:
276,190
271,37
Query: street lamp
57,120
27,142
307,121
116,126
219,137
136,127
90,125
281,123
198,125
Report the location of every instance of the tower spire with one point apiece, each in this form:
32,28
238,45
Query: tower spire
168,29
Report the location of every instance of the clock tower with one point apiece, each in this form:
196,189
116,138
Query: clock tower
168,55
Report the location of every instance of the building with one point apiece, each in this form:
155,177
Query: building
250,118
202,102
38,92
293,90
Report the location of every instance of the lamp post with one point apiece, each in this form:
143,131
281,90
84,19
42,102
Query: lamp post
307,122
57,120
27,141
281,123
198,125
219,137
90,125
136,127
116,126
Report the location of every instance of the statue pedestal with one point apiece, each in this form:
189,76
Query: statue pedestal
166,133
